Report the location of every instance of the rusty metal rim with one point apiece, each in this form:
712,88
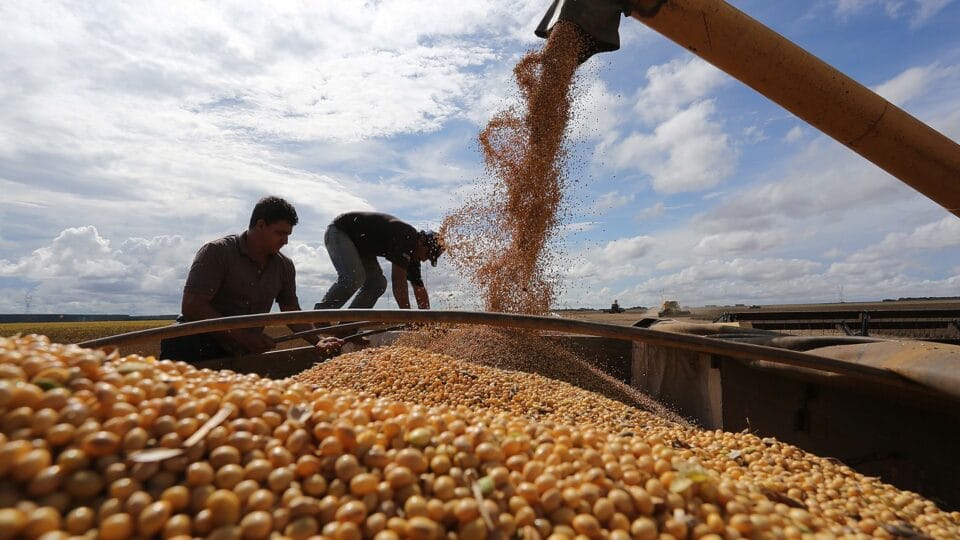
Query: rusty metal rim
528,322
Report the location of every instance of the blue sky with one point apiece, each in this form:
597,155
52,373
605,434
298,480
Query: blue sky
132,132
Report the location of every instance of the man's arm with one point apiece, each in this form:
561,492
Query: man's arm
400,291
197,307
420,293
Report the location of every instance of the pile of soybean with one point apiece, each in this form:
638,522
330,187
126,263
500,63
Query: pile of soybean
531,352
98,446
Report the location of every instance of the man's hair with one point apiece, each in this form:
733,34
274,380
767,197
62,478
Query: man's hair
273,209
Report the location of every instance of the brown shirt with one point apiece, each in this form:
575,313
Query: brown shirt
239,286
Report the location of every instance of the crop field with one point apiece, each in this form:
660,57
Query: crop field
75,332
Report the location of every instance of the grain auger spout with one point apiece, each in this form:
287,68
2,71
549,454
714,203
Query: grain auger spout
788,75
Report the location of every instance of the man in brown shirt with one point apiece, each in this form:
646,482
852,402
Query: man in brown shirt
241,275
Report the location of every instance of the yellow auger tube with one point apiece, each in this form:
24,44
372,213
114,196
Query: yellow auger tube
813,90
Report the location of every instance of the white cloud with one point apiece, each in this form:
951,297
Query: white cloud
674,85
764,280
576,228
942,234
741,242
794,135
77,252
582,269
731,268
83,269
927,9
918,11
718,281
610,200
911,83
265,75
688,152
178,117
823,181
671,264
201,79
850,7
754,134
627,249
745,269
595,266
436,163
595,107
652,212
834,253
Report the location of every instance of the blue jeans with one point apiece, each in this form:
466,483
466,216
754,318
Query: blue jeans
353,272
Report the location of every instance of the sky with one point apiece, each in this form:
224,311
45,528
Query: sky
133,132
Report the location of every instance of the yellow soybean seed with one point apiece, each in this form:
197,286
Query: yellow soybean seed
380,453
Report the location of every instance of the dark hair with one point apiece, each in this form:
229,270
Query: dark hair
273,209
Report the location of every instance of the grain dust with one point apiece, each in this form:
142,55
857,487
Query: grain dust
501,241
518,350
432,376
504,241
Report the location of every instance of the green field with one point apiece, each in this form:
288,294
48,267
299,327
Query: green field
75,332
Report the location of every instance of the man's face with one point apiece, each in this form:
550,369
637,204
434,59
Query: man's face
275,235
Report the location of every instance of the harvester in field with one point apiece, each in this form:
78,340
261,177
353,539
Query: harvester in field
615,307
886,408
672,308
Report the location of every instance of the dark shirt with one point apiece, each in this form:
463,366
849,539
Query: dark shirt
224,269
382,235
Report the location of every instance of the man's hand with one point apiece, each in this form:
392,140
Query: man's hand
329,345
253,342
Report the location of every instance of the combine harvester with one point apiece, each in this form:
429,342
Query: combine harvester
672,308
886,408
